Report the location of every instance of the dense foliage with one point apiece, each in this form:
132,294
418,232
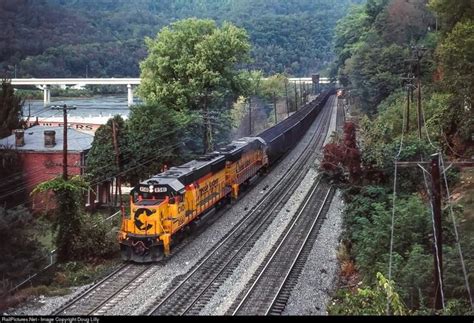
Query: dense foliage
12,186
192,67
78,236
373,59
58,38
26,257
10,109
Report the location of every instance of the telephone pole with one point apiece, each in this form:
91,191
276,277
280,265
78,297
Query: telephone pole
296,97
419,51
409,87
250,116
275,107
435,200
117,162
286,94
65,109
438,237
301,94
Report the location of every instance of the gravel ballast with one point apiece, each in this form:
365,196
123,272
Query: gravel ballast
139,301
225,296
42,305
319,276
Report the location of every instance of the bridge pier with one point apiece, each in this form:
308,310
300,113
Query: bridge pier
130,94
47,94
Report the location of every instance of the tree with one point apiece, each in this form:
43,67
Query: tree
10,109
456,55
343,155
12,186
21,253
452,12
192,65
69,221
101,163
370,301
156,136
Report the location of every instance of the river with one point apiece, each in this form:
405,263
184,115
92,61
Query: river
96,106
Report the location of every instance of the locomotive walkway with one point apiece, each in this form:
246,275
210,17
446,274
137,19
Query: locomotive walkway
190,295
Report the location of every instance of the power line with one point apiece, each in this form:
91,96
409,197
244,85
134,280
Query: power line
435,237
456,233
392,228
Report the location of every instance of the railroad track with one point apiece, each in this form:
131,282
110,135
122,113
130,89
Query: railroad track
270,287
341,116
191,293
106,293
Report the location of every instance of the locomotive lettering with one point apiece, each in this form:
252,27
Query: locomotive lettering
209,186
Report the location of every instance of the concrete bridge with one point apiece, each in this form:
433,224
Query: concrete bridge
45,84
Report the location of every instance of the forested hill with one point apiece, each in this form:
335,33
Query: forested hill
60,38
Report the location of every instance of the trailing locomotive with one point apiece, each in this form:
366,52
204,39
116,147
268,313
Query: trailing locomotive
167,203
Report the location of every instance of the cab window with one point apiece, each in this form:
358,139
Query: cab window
144,198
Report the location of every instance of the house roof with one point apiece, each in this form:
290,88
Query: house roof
34,140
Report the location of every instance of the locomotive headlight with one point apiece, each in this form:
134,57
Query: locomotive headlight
151,188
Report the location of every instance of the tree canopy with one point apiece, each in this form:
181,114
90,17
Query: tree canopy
10,109
193,66
57,38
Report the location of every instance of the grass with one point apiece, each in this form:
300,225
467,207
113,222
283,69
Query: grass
58,283
57,280
81,273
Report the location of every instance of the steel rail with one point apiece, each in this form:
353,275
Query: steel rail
273,258
297,166
103,284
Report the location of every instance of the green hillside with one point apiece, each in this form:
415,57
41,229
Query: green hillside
59,38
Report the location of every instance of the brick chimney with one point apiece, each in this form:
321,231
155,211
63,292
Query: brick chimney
19,137
49,138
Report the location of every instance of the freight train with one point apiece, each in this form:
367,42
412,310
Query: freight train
165,205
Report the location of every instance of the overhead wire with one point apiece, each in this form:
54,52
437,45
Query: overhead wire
456,234
22,187
458,243
140,163
438,264
392,227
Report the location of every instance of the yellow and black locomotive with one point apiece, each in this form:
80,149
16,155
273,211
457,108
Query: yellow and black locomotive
165,204
162,206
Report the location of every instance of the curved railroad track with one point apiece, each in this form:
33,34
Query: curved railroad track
107,292
270,287
190,294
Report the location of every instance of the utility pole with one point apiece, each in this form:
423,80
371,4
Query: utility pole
409,87
65,109
419,54
117,162
436,204
301,94
286,95
435,199
275,107
250,116
296,98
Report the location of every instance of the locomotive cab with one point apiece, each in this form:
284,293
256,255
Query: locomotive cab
145,234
